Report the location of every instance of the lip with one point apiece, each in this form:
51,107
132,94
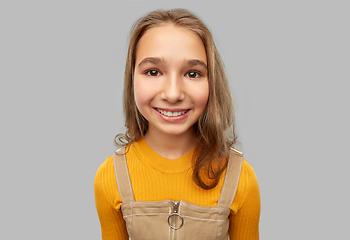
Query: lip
173,119
173,109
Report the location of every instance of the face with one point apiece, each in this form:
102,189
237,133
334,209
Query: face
170,79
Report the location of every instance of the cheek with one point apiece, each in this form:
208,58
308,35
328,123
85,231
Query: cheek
138,95
141,94
203,100
202,95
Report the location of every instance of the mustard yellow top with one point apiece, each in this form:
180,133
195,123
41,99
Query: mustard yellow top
155,178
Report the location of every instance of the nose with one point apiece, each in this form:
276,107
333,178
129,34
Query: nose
173,89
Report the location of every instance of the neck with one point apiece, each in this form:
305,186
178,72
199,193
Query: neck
171,146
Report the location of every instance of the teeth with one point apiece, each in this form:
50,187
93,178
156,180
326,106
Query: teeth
171,114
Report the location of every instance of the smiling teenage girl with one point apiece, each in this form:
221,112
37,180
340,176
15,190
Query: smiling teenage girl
179,178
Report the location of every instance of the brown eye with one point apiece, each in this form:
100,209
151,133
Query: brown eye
193,74
153,73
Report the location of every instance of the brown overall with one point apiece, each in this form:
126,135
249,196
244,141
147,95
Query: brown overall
176,220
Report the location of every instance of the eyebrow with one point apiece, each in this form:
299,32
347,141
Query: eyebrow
196,62
156,60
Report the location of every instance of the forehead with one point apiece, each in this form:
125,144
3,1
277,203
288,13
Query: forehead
172,43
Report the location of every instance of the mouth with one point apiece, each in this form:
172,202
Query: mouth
171,114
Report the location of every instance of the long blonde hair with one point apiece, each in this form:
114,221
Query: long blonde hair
215,129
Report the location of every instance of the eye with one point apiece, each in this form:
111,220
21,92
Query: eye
193,74
153,72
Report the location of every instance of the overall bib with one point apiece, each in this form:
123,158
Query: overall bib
161,220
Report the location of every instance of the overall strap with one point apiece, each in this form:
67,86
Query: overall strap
122,176
230,185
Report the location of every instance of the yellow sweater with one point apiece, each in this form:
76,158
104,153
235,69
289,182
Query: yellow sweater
155,178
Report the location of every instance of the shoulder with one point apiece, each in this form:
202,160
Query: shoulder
105,168
105,180
247,170
105,183
248,187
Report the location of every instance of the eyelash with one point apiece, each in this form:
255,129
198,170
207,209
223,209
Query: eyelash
199,74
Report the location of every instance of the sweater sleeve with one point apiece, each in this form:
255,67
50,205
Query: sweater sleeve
107,200
245,210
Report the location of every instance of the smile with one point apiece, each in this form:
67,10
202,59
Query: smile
171,114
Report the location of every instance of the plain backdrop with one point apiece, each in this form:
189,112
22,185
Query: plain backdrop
61,71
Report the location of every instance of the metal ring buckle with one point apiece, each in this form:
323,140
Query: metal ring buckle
175,214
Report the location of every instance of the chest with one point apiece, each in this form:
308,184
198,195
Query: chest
174,220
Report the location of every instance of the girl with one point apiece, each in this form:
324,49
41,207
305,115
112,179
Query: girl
177,175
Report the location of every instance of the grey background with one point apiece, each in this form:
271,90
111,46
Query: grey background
62,65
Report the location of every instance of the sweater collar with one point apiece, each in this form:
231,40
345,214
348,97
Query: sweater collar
148,156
